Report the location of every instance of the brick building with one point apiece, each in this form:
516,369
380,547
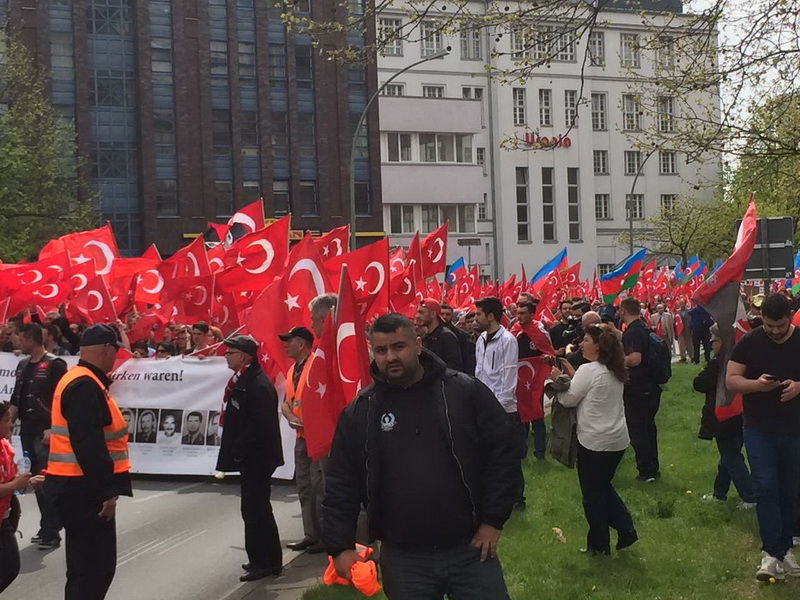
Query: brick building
186,110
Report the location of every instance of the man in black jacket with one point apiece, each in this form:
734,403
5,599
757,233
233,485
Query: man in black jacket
251,445
32,399
438,339
430,454
465,340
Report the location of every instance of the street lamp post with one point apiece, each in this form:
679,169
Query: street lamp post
440,54
630,202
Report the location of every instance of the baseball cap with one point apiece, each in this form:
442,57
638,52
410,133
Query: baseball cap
99,334
299,332
432,305
243,343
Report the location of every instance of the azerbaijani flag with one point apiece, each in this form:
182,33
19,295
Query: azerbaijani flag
559,261
456,270
623,277
796,280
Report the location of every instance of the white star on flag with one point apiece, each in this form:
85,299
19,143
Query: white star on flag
291,301
360,284
321,389
325,251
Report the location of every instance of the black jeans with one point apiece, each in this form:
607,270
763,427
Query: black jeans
9,556
539,438
522,435
91,546
261,539
640,414
732,467
702,335
50,522
601,504
430,574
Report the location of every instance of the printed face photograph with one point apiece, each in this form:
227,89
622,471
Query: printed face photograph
194,428
146,426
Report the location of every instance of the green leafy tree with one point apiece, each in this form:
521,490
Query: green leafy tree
41,195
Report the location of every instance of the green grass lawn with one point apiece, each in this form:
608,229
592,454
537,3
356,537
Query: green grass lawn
687,548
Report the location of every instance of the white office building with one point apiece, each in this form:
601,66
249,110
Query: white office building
446,126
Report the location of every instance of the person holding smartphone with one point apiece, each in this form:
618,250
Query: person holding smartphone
765,368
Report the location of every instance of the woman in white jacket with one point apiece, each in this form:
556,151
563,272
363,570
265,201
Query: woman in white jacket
596,390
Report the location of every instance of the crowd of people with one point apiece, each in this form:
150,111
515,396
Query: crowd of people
428,457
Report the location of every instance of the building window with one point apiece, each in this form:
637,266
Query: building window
471,44
667,202
604,268
248,128
523,206
399,146
633,162
391,36
280,134
665,52
480,158
309,203
166,198
401,218
666,114
519,44
602,207
445,147
542,48
464,149
164,130
518,98
305,136
251,191
394,89
430,218
277,61
221,131
363,201
600,162
574,204
304,73
597,48
548,205
219,60
631,113
565,47
545,108
466,218
667,162
635,205
483,208
472,93
571,108
431,37
433,91
247,60
161,60
224,191
630,55
280,195
599,112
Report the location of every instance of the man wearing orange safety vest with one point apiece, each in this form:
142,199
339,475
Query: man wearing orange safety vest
88,466
308,474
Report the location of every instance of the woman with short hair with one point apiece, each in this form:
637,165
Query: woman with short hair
596,390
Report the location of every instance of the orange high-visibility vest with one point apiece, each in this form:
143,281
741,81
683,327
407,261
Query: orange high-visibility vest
294,396
62,459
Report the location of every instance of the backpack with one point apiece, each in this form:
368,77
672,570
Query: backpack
659,360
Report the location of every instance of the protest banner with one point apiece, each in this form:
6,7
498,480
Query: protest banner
172,407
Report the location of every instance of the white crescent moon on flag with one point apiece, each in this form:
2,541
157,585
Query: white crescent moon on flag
82,279
195,264
47,296
205,295
216,261
407,291
99,296
381,274
226,314
399,262
338,243
525,363
269,252
306,264
243,219
58,269
38,277
345,331
106,252
159,282
440,242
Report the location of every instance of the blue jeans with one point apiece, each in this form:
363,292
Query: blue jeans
775,465
430,574
732,467
539,438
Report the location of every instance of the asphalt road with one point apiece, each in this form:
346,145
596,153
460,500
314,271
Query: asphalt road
177,539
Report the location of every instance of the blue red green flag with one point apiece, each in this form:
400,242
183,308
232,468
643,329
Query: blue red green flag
623,277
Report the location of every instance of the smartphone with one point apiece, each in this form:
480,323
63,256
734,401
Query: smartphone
770,377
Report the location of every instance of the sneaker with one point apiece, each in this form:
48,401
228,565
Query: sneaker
37,539
746,505
771,568
50,543
712,498
646,478
790,566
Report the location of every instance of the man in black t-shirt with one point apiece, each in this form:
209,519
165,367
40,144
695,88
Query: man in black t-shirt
765,368
642,395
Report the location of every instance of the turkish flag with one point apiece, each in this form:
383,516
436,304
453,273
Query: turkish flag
552,290
254,260
397,262
572,276
192,296
531,375
152,253
371,263
323,399
333,243
98,244
306,279
189,261
216,258
434,252
216,232
352,354
80,275
143,327
246,220
93,303
225,313
148,287
271,315
122,290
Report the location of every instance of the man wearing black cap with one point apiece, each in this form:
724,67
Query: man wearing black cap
251,445
308,474
88,465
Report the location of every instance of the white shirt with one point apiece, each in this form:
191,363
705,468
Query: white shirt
496,366
601,414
